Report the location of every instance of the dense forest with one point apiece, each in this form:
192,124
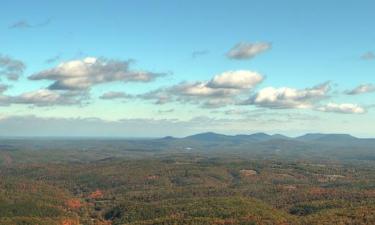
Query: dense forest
71,183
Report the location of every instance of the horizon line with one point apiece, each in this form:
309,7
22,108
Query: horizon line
165,136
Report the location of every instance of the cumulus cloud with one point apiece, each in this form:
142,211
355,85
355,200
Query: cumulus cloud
201,89
244,50
222,85
159,96
115,95
368,56
361,89
11,68
221,90
85,73
45,97
285,97
240,79
345,108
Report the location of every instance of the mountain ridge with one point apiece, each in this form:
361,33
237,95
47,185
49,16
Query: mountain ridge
260,136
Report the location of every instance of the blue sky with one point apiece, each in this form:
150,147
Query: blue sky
315,60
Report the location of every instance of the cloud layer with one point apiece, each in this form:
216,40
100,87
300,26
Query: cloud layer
285,97
361,89
221,90
90,71
137,127
71,82
244,50
346,108
44,97
40,126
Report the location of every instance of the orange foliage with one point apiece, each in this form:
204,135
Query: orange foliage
103,223
223,222
317,191
74,203
96,194
369,193
70,222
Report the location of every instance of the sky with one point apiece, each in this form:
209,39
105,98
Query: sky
157,68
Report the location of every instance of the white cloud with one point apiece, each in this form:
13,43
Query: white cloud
240,79
221,90
83,74
222,85
201,89
44,97
361,89
286,97
345,108
245,50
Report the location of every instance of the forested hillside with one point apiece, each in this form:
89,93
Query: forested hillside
114,186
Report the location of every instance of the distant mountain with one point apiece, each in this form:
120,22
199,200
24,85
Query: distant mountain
310,137
280,136
208,136
211,136
321,146
327,137
168,138
260,136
